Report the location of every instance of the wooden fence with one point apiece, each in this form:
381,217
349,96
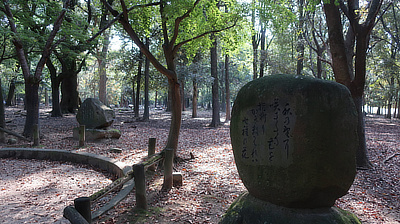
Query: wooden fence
80,213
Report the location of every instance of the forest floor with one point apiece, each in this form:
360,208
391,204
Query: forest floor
210,181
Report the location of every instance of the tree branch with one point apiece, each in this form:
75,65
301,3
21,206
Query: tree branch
176,48
133,35
117,17
373,13
50,39
179,20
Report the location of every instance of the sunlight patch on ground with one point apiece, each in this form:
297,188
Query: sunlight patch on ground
44,188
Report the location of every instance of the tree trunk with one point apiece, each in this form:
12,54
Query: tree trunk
398,107
361,153
102,57
300,39
46,97
215,121
227,90
133,93
146,114
55,90
255,40
11,92
69,90
32,106
263,56
2,116
342,56
138,79
176,115
102,80
183,92
55,99
69,84
255,59
155,99
195,96
319,66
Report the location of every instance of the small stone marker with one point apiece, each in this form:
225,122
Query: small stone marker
177,179
294,141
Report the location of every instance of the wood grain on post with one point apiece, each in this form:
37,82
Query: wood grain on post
151,151
168,164
82,205
74,216
81,135
35,135
140,186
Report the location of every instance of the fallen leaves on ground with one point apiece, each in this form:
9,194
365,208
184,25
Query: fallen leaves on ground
211,182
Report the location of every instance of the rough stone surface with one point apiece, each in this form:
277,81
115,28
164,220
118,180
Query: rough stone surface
94,134
94,114
294,140
248,209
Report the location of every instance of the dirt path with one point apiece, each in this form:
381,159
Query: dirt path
211,182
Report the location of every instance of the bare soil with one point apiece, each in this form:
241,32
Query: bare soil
210,183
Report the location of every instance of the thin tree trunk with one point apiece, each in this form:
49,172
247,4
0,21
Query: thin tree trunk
194,101
263,52
155,99
227,90
138,79
398,107
101,59
176,115
55,90
11,92
133,93
300,40
255,60
2,115
146,114
183,91
46,97
215,121
255,41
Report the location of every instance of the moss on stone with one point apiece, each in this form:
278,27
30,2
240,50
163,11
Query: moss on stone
248,209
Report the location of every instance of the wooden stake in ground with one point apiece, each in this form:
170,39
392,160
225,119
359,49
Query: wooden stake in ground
140,186
168,164
82,135
151,151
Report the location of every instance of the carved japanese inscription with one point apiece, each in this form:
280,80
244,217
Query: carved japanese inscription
267,133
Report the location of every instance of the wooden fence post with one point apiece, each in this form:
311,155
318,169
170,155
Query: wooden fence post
152,151
74,216
168,164
82,135
82,205
35,135
140,186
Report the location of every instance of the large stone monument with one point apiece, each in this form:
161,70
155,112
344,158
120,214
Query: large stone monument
294,141
97,119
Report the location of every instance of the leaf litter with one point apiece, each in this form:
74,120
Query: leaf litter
210,181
